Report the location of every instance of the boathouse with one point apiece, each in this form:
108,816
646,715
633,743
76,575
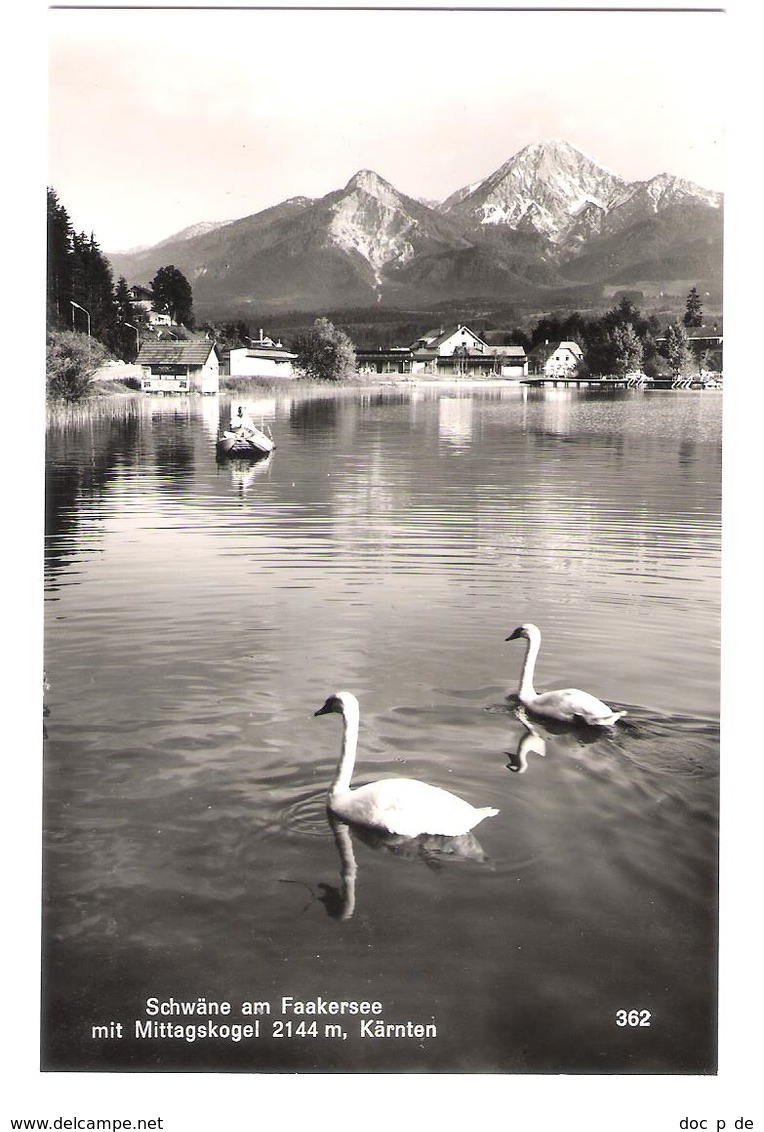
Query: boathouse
180,366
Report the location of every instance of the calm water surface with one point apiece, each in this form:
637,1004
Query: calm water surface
196,617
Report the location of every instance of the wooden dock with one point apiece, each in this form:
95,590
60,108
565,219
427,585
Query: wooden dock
539,379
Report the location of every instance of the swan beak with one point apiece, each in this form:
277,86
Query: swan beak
323,710
513,636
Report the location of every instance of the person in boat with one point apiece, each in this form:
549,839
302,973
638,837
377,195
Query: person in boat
243,423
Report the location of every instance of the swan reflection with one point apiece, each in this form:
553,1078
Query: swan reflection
531,742
565,738
433,849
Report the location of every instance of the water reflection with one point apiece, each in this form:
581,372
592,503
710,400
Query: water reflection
455,420
537,736
531,742
183,780
433,850
244,473
209,412
315,415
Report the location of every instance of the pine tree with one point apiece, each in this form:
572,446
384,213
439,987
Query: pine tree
126,333
693,315
93,289
59,264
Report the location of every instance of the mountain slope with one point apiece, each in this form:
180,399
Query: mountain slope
547,220
683,242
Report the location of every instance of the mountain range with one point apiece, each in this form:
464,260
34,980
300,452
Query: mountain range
550,226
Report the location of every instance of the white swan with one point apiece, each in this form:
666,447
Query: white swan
397,805
569,705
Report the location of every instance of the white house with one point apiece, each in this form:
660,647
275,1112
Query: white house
457,350
451,351
261,359
142,302
180,366
562,360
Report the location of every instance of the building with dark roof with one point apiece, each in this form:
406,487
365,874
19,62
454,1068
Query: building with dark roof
180,366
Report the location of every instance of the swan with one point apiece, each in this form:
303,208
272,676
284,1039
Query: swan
396,805
569,705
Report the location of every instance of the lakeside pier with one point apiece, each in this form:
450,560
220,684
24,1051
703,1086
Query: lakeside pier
539,379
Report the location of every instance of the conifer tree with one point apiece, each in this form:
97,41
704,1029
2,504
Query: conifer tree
93,288
693,315
59,264
126,333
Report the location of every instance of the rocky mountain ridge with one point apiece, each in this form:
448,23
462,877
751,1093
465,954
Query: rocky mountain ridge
545,223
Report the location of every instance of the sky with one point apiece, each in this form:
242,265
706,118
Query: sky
158,119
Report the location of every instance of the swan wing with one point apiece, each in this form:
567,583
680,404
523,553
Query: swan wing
409,808
571,705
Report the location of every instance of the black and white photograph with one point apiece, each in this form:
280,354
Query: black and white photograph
381,664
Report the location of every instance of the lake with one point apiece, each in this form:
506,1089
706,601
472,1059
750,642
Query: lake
201,913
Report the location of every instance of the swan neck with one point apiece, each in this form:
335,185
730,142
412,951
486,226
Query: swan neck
347,756
527,691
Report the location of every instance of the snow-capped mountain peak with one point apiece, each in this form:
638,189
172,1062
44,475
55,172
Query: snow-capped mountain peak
665,189
542,189
553,189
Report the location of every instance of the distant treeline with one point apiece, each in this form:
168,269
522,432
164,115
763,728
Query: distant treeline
621,340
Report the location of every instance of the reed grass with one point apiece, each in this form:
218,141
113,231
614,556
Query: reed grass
114,401
114,406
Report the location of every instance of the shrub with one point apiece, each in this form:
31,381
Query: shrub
71,360
325,352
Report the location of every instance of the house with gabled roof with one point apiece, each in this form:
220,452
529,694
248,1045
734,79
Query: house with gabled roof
451,351
142,303
557,359
177,366
458,350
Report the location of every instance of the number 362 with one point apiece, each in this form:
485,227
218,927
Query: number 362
632,1017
